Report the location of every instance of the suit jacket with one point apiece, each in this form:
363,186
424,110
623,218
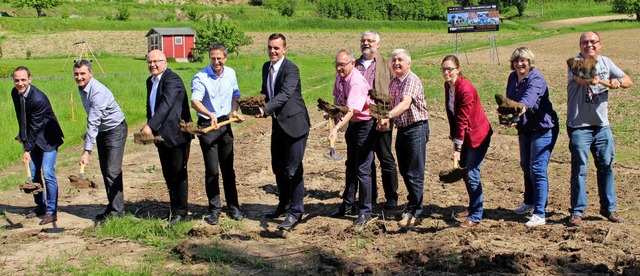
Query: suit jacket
171,106
383,74
287,107
43,129
469,123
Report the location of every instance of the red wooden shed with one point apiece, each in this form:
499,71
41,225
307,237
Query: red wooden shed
175,43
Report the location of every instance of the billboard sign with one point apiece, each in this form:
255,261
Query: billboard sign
484,18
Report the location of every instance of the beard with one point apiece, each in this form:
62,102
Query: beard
367,52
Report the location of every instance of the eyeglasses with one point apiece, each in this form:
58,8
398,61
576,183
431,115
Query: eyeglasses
368,40
156,61
586,42
447,69
340,65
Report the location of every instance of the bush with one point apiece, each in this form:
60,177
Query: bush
123,13
6,71
218,30
384,9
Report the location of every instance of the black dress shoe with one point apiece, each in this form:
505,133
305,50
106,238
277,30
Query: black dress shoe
278,213
175,219
35,213
213,217
235,213
104,216
362,219
288,223
342,211
48,218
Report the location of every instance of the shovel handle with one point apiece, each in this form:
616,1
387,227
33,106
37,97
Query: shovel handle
332,141
82,168
28,169
456,163
605,83
218,125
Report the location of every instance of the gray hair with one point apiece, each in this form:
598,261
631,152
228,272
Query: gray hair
78,64
401,51
372,32
523,52
218,46
349,54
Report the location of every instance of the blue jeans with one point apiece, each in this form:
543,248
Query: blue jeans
42,164
599,141
411,149
472,158
535,150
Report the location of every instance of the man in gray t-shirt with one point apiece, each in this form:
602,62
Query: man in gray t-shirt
589,130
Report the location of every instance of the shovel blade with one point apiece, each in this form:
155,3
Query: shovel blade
331,155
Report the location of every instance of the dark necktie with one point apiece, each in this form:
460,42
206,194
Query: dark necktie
23,119
270,82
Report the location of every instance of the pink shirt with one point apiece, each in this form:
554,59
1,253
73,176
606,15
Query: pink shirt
353,92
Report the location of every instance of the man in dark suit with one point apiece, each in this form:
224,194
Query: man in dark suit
289,130
167,104
40,135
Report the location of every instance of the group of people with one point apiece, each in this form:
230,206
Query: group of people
214,94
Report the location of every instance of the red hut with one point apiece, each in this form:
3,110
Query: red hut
175,43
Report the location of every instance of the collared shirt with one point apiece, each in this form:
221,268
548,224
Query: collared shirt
26,93
533,93
275,67
587,105
103,112
155,80
408,85
215,92
353,92
368,69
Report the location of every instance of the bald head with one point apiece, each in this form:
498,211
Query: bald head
590,45
156,62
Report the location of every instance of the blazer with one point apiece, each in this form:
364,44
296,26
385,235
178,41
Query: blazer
171,106
287,107
383,74
469,123
43,129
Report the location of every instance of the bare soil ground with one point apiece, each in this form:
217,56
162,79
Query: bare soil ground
501,244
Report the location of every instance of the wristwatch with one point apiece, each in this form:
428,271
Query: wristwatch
389,115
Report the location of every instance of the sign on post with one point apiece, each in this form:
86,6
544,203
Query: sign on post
485,18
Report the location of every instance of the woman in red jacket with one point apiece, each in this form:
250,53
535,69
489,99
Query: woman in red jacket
470,131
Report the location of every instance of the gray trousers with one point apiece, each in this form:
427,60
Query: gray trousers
110,151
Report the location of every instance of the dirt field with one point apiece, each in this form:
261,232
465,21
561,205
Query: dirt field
501,244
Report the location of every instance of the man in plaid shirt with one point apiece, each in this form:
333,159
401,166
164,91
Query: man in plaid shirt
410,115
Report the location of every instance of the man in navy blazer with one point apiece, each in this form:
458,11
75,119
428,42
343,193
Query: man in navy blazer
289,130
40,135
167,104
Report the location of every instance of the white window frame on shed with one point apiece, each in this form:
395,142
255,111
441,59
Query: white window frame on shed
155,40
178,40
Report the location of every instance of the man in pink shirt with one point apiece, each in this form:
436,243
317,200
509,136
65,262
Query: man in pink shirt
351,90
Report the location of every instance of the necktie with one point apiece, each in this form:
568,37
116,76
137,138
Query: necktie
23,120
270,82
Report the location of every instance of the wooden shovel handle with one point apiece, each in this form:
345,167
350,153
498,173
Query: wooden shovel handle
605,83
456,163
28,169
332,141
219,125
82,168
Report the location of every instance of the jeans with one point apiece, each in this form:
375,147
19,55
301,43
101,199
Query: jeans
388,170
411,148
110,151
217,150
45,161
472,159
535,150
599,141
361,138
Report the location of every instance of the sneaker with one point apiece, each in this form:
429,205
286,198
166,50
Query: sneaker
523,209
575,220
535,220
362,219
611,216
407,220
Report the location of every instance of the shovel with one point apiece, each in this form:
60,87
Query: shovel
81,173
219,125
80,182
331,155
28,186
453,175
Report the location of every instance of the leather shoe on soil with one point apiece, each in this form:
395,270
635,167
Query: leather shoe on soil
35,213
213,217
288,223
236,214
342,211
276,214
575,221
468,224
462,214
175,219
611,216
362,219
48,218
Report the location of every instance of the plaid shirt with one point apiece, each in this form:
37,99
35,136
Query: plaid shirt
409,85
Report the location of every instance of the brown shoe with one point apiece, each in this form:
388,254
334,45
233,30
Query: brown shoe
468,224
34,213
575,221
462,214
48,218
611,216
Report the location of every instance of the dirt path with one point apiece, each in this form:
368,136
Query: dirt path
582,20
323,245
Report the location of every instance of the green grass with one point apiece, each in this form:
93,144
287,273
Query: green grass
150,232
96,265
221,260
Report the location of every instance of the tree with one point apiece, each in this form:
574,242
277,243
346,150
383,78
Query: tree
629,7
220,30
39,5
